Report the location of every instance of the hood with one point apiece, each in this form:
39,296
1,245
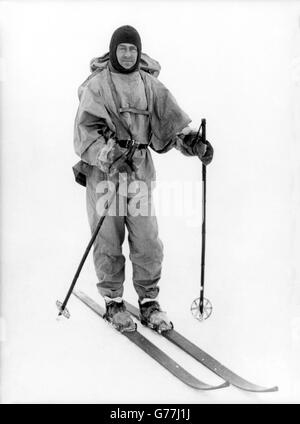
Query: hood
147,64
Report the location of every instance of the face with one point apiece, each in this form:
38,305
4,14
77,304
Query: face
126,55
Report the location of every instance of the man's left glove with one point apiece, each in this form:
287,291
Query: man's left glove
200,148
207,157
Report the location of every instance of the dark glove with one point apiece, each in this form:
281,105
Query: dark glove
200,148
209,153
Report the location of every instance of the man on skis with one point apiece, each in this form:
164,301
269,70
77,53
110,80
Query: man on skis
124,110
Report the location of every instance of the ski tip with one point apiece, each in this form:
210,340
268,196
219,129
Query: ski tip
225,384
220,386
272,389
257,389
203,386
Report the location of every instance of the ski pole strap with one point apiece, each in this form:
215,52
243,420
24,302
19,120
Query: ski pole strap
202,128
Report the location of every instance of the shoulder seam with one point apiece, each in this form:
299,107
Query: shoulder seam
91,76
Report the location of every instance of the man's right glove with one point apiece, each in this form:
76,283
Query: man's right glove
112,158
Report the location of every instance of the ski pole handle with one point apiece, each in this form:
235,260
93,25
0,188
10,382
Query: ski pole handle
203,125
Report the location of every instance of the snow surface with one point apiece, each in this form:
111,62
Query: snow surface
240,70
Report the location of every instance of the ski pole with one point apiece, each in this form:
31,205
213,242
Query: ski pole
201,307
62,306
203,224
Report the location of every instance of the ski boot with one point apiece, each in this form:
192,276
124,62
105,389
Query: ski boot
153,317
117,315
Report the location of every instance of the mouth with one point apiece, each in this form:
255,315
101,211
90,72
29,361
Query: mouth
127,65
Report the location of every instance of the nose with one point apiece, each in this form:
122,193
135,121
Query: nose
127,53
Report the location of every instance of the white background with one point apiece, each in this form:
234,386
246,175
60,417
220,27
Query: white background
235,64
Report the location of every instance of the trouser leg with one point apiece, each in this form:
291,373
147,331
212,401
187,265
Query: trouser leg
109,261
146,254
